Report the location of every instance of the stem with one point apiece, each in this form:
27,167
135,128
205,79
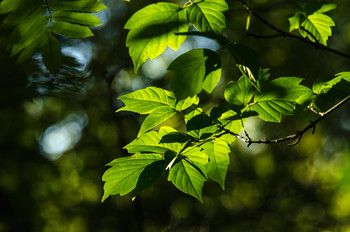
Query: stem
282,33
297,136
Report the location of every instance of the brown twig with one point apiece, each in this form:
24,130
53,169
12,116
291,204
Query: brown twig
283,33
295,137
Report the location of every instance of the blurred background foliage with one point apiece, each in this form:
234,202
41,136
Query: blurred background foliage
58,132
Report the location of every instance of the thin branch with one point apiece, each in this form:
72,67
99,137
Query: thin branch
297,136
283,33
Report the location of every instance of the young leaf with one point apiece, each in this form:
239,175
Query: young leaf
247,62
218,152
188,177
152,29
76,18
73,31
51,53
207,15
190,70
150,142
144,101
319,25
156,117
123,176
239,92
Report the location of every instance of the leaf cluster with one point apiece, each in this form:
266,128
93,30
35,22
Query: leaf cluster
201,152
39,24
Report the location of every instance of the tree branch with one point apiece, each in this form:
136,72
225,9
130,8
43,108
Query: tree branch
283,33
297,136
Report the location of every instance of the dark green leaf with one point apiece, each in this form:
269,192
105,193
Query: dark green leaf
190,71
51,53
176,137
149,176
246,60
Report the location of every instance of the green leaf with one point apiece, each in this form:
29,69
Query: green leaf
188,178
207,15
150,142
218,152
272,110
73,31
201,126
186,103
152,29
149,176
76,18
319,25
156,117
144,101
190,71
28,31
279,97
7,6
239,92
51,53
322,86
294,21
123,176
176,137
247,62
89,6
197,155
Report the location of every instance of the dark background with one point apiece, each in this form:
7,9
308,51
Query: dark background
58,132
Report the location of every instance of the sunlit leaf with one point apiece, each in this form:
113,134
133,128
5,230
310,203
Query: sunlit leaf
156,117
218,152
144,101
239,92
90,6
73,31
279,97
190,71
123,176
76,18
152,29
186,103
150,142
207,15
319,25
51,53
188,177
